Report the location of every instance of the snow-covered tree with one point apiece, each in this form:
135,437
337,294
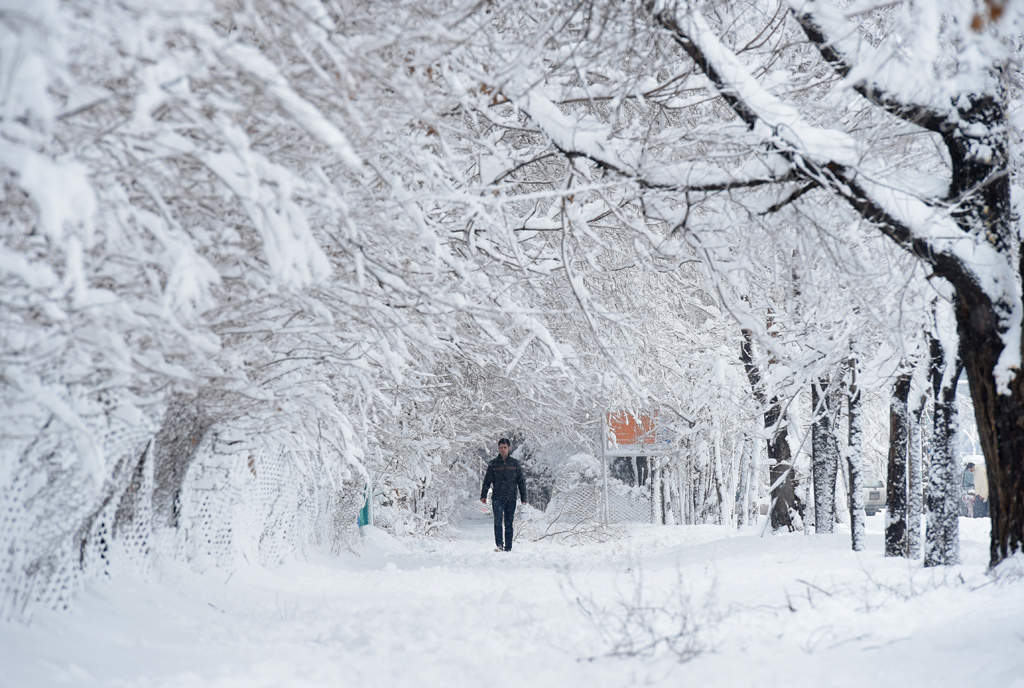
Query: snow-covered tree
942,530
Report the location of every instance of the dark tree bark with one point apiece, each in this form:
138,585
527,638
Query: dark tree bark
896,489
853,460
783,479
781,475
984,188
942,530
824,453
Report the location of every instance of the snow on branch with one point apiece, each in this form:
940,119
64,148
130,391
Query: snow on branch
878,78
588,137
305,113
838,162
971,260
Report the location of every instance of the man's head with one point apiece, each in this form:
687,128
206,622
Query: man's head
503,447
970,467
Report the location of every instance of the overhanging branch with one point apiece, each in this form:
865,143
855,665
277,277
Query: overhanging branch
831,51
788,137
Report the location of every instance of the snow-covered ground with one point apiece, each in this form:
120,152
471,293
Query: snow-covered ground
760,611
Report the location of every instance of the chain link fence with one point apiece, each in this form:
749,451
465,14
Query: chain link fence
578,515
235,501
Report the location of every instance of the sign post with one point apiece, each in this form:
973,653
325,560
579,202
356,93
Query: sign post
627,434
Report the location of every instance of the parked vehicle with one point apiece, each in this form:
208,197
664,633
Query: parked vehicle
874,496
968,505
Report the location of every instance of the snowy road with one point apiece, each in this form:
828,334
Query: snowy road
793,610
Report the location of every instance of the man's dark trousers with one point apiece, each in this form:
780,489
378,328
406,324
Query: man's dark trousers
504,510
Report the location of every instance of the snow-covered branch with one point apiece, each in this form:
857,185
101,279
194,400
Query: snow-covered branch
838,162
586,136
881,80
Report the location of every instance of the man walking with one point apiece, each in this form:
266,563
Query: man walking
505,474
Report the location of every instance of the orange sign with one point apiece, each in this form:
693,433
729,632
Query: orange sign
626,429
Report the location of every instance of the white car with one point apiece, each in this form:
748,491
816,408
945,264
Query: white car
874,496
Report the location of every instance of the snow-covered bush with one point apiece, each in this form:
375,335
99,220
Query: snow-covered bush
578,469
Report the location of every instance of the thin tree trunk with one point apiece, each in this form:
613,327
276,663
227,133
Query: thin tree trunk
746,458
896,492
780,474
754,510
942,532
685,501
733,490
653,487
720,485
663,490
853,460
698,487
666,487
657,491
915,490
824,454
692,495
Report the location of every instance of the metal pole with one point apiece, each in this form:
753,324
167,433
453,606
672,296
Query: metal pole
652,476
604,464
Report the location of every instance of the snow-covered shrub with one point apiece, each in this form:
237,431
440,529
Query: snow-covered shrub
578,469
419,490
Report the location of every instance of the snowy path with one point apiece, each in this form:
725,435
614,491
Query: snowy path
793,610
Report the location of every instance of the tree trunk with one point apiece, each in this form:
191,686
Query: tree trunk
720,486
666,496
780,473
915,490
746,480
1000,420
942,531
754,507
981,188
853,460
657,491
824,453
669,481
685,500
896,489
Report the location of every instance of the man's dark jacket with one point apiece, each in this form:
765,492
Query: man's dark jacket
506,476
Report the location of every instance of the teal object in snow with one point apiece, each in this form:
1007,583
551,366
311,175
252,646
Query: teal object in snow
364,513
